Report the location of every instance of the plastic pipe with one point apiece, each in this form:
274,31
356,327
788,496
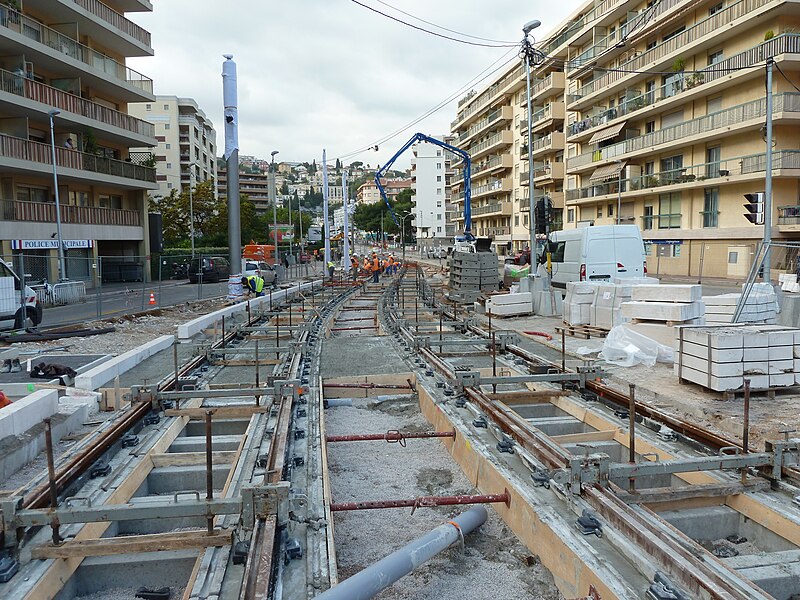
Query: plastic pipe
369,582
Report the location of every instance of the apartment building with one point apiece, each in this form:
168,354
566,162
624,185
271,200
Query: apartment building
187,141
651,113
368,192
68,56
256,186
429,181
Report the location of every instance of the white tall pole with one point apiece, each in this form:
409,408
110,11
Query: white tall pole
346,229
327,232
273,196
61,269
768,180
231,111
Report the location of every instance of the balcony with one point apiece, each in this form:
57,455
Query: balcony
789,216
661,53
486,97
728,120
493,143
495,232
787,43
45,212
695,176
546,143
498,186
578,25
49,41
492,164
554,82
53,97
504,113
112,17
25,150
493,210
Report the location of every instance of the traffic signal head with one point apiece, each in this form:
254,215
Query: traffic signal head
755,208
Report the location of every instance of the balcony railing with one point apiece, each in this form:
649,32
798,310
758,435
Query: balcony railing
45,212
498,208
483,123
600,9
22,149
662,221
728,118
789,215
785,43
53,97
496,231
488,95
109,15
38,32
490,163
501,137
706,173
716,22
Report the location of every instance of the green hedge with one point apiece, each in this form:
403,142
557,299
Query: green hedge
197,251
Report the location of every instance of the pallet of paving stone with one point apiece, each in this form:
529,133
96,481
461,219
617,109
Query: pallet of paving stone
695,321
581,331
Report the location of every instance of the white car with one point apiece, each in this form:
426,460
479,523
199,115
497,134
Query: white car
437,252
262,269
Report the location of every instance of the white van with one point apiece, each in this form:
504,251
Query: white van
12,316
598,253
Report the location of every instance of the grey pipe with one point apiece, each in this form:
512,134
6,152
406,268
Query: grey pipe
367,583
331,402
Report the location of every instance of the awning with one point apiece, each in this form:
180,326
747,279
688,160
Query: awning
606,171
607,133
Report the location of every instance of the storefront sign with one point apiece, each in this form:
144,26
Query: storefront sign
49,244
664,242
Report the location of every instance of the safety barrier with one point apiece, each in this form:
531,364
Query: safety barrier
59,294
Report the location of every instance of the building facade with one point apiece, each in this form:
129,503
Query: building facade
187,142
68,59
650,113
429,182
256,186
368,192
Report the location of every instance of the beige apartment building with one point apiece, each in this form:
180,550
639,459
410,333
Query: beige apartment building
648,113
61,55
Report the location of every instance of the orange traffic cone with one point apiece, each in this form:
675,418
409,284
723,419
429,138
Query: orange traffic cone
152,298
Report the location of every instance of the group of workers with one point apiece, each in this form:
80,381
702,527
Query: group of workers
374,265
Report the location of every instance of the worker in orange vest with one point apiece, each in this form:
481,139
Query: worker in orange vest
354,266
375,268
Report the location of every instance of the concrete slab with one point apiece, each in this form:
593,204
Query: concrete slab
94,378
662,311
667,293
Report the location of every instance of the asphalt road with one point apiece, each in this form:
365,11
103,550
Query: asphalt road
122,300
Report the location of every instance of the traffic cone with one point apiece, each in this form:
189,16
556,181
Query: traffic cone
152,299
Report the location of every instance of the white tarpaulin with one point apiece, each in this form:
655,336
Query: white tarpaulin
627,348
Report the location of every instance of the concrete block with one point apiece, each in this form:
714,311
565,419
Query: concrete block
717,355
724,369
668,293
716,337
781,338
636,280
756,339
759,367
501,299
506,310
780,352
756,354
777,367
663,311
94,378
722,300
781,380
719,384
19,416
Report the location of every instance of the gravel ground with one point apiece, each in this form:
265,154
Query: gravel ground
493,564
123,594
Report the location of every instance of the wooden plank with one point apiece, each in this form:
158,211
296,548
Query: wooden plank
188,459
156,542
528,397
220,412
246,362
604,435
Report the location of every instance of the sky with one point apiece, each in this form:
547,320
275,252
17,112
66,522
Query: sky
331,74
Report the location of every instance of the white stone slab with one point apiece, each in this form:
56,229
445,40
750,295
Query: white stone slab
781,380
719,384
724,369
759,367
21,415
781,366
756,354
717,337
94,378
662,311
501,299
668,293
717,355
506,310
781,352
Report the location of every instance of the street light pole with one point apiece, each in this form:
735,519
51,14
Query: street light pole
191,209
274,207
619,190
61,270
528,51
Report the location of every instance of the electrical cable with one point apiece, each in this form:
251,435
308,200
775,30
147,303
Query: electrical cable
789,81
441,35
474,37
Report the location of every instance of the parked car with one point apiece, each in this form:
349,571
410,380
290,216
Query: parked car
12,315
209,269
260,268
436,252
304,257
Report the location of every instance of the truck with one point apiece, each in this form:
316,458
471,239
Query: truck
19,306
259,252
597,253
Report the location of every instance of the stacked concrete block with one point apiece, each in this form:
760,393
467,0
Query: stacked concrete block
670,304
789,283
578,302
607,308
720,357
759,308
474,272
510,304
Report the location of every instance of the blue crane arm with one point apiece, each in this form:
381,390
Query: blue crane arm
421,137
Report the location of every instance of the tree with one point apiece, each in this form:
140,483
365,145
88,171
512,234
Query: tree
368,216
285,188
338,166
356,164
175,211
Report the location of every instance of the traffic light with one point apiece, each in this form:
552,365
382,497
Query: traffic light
544,212
755,208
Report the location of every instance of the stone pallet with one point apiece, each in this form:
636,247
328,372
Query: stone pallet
581,331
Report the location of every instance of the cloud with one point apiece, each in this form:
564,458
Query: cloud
316,74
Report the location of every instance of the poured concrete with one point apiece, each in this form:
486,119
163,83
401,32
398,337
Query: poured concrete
94,378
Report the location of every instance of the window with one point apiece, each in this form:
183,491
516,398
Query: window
669,211
651,44
169,186
166,107
169,165
570,215
79,198
713,155
716,8
148,107
439,204
27,193
713,105
438,153
648,249
649,167
109,201
733,258
438,165
649,127
650,91
525,220
647,219
673,33
168,146
599,212
438,191
557,251
673,84
439,230
672,168
715,57
438,216
711,207
610,210
166,125
438,178
516,220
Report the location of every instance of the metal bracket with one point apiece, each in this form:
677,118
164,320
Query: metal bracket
504,339
260,502
468,378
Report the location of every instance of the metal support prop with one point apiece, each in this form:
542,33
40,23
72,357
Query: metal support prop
423,502
209,469
223,331
175,364
746,425
632,432
51,475
494,362
258,375
390,436
563,354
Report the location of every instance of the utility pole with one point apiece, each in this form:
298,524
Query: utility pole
274,198
768,179
229,92
327,232
345,229
528,51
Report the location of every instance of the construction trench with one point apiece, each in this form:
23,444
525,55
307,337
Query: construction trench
285,448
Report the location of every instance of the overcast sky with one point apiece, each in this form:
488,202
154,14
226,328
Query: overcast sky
331,74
